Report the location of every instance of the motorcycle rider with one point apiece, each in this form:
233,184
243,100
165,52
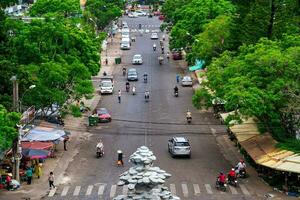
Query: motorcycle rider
168,56
175,89
154,47
160,59
177,78
133,89
147,94
240,166
188,115
231,175
127,85
100,147
145,77
221,179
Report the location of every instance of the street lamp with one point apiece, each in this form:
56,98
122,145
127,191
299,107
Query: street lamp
20,102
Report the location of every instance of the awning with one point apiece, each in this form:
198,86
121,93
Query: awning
41,136
37,145
35,153
262,147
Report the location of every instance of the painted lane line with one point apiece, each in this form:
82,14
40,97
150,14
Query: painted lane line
52,192
233,189
112,191
76,191
208,188
125,190
173,189
196,189
65,191
89,190
244,190
185,190
101,189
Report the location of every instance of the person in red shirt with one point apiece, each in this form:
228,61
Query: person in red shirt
231,175
221,179
8,181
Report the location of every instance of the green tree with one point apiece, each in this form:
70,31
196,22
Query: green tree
64,8
8,131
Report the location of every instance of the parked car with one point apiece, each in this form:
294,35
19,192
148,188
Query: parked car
103,115
176,54
179,146
137,59
154,36
187,81
132,74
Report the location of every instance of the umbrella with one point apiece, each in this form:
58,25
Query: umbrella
35,153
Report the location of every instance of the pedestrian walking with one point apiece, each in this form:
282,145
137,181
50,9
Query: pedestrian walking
120,158
106,61
8,181
38,170
51,180
29,174
119,96
177,78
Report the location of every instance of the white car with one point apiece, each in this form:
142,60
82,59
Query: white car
140,13
137,59
154,36
132,15
187,81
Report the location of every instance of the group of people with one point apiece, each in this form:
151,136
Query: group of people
233,174
100,148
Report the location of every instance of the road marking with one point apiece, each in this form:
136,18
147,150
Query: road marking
196,189
65,190
112,191
52,192
76,191
185,190
233,189
101,189
89,190
125,189
208,188
173,189
244,190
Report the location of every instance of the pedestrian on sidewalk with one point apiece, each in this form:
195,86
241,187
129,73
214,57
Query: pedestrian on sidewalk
8,181
29,174
66,140
106,61
51,180
119,96
38,170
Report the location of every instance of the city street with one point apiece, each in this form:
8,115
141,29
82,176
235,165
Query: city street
136,123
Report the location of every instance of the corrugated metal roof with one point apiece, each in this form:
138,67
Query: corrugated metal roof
262,147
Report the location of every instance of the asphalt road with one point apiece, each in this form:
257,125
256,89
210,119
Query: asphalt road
136,123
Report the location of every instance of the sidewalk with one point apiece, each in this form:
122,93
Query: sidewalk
79,131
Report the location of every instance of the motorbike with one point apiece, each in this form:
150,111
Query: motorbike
221,187
124,72
133,90
189,120
99,153
127,88
146,97
160,60
154,48
232,181
242,173
145,79
176,93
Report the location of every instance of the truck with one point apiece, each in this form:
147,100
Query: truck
106,85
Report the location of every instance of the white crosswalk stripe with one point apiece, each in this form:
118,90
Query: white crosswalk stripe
65,190
244,190
185,190
101,189
113,190
76,191
89,190
173,189
180,189
208,188
196,189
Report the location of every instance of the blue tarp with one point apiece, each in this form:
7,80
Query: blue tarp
35,153
38,135
198,65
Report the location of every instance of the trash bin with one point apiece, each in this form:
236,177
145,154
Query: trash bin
93,120
118,60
